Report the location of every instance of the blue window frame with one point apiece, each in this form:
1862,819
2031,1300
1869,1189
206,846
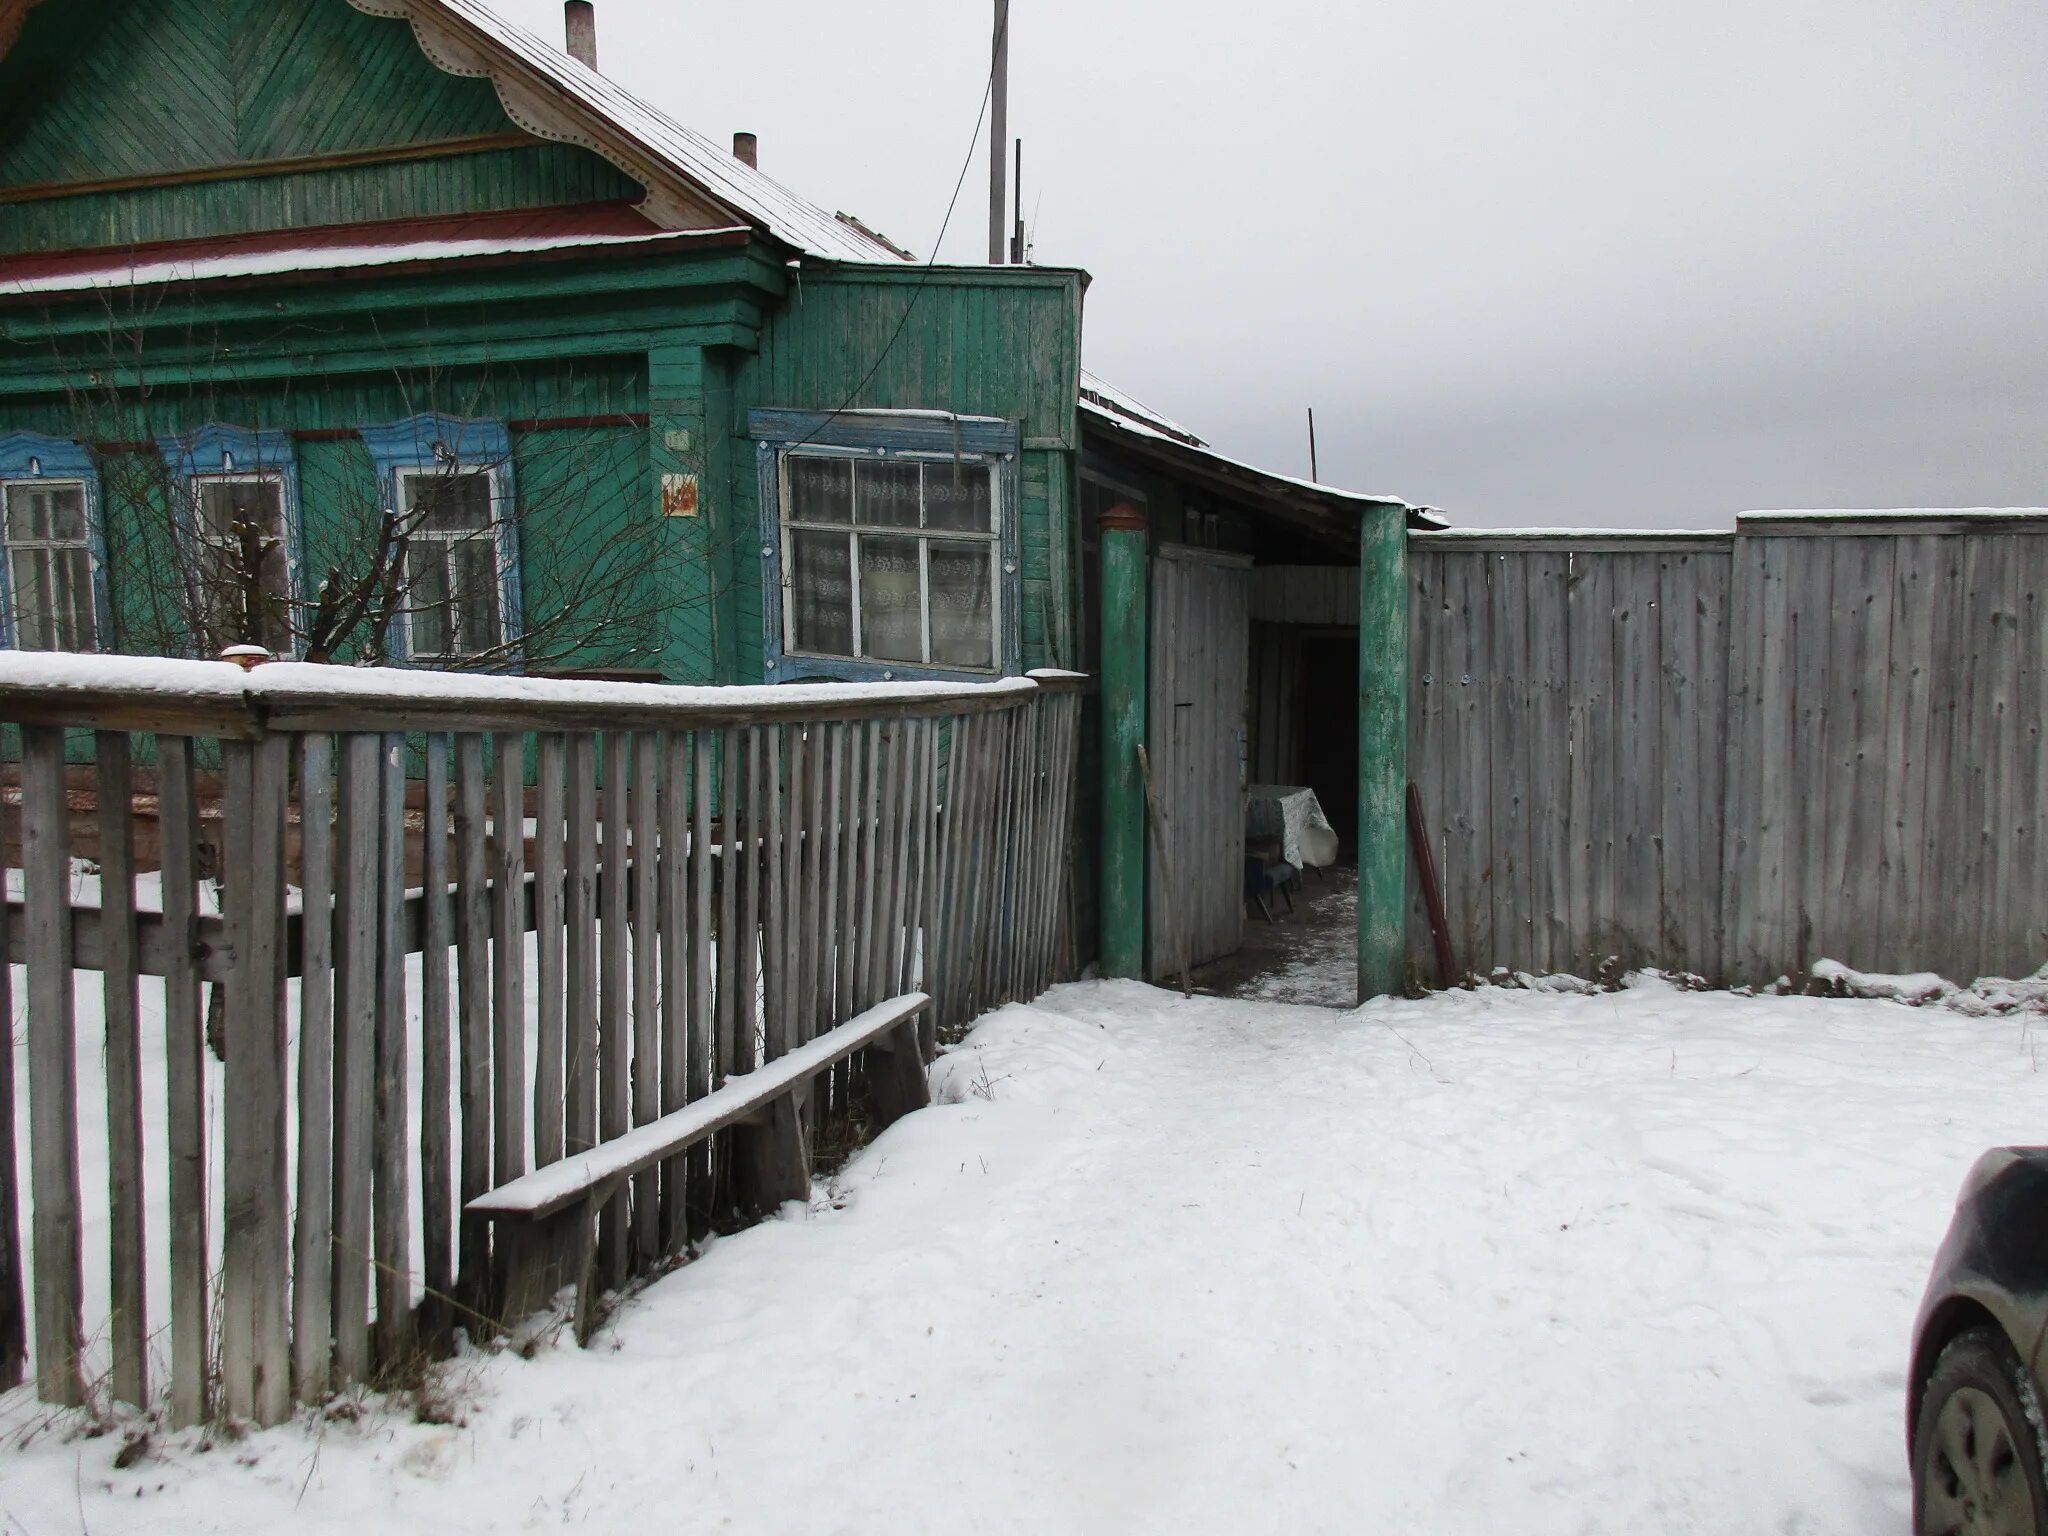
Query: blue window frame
228,478
53,579
450,485
888,544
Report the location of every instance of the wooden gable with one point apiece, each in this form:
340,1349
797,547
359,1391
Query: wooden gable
129,121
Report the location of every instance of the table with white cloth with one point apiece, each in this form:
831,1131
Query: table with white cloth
1291,813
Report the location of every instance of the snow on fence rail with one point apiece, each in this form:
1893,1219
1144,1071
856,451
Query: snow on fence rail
788,859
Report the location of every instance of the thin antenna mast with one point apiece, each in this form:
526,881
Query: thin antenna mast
1312,445
998,133
1017,236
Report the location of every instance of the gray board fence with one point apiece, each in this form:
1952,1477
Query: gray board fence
1736,754
593,988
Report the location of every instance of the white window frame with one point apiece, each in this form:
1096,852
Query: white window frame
94,571
493,533
195,486
853,529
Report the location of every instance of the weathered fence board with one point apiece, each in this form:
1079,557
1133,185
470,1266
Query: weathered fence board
685,928
1736,755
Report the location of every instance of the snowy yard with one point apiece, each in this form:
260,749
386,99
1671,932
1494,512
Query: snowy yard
1635,1262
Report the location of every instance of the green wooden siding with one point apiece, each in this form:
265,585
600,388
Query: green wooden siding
542,176
1001,344
199,85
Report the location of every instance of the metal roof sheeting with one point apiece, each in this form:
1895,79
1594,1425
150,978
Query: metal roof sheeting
683,151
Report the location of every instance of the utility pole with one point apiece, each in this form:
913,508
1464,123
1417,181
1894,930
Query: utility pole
998,134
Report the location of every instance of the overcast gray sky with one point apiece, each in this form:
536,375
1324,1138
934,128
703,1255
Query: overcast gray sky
1594,261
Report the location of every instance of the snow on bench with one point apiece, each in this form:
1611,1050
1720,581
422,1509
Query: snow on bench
545,1219
540,1194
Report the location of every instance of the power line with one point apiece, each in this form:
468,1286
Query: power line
924,276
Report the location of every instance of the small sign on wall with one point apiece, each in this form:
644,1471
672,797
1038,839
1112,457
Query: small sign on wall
679,495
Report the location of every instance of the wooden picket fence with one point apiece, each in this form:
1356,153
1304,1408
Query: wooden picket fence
716,902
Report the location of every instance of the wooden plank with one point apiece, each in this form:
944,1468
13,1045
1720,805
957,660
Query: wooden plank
789,946
895,930
850,823
1751,841
774,961
731,802
185,1090
13,1285
255,1238
1506,701
473,1011
509,1089
1465,808
128,1319
546,1191
1936,935
615,1003
747,1040
52,1070
673,944
1864,580
1971,827
817,947
437,1056
1639,768
313,1221
1710,729
1589,643
644,818
922,855
1909,688
550,936
2027,924
2008,904
580,1045
1810,579
1546,747
702,1044
392,1215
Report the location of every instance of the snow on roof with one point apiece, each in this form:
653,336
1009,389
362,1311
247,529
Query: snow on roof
1124,423
1580,533
683,151
1902,512
200,262
1099,391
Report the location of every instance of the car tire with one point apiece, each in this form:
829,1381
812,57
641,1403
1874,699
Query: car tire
1978,1458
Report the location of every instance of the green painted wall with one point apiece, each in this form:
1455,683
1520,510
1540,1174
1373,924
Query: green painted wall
582,488
206,84
993,343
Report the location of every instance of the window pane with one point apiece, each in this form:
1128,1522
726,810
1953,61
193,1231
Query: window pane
31,600
72,571
820,595
224,503
886,494
820,490
891,622
963,623
957,499
432,617
28,515
474,563
450,501
66,512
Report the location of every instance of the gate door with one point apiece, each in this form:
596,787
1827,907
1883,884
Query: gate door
1195,733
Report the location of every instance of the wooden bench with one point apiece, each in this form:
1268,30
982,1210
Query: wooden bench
546,1220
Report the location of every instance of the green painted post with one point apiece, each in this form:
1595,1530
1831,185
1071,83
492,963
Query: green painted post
1123,732
1382,750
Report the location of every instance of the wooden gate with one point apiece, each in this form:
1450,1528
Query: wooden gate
1201,647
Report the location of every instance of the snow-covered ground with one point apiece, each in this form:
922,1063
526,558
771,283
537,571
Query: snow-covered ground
1633,1262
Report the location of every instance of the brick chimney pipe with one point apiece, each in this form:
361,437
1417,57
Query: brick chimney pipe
747,148
579,20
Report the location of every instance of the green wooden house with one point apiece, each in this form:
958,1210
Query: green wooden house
380,329
496,364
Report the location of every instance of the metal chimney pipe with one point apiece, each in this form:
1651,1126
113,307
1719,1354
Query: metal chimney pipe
579,21
746,149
